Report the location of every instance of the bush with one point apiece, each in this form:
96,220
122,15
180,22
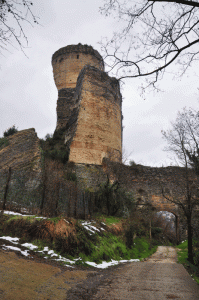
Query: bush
112,200
57,154
3,142
196,252
71,176
53,146
10,131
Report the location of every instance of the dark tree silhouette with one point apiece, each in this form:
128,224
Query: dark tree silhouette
183,139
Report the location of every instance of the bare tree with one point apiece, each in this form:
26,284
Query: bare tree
153,36
13,13
183,139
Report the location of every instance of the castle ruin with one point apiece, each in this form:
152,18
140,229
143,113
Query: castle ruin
88,105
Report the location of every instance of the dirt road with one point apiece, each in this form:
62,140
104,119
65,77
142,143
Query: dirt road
160,277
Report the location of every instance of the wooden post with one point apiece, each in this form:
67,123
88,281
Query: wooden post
150,229
6,189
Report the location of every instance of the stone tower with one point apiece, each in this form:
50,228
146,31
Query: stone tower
88,105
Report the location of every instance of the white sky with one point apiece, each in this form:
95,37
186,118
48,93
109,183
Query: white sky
28,93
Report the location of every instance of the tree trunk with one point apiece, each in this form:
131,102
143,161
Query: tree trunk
190,244
6,189
150,229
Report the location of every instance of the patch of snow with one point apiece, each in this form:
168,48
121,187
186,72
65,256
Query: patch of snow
103,223
105,264
6,212
93,227
11,213
87,225
16,249
52,253
30,246
45,249
87,228
10,239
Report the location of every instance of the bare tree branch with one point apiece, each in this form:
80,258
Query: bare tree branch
13,14
190,3
154,36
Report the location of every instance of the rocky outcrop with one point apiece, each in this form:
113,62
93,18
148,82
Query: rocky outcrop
22,154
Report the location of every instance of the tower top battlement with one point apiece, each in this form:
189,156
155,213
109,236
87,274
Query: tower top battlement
79,48
68,61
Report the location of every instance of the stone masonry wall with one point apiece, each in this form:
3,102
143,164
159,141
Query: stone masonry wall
65,106
99,124
23,156
147,182
67,63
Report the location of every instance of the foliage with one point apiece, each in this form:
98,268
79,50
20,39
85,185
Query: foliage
71,176
132,163
196,252
183,259
108,220
10,131
113,200
79,243
12,15
53,146
153,35
3,142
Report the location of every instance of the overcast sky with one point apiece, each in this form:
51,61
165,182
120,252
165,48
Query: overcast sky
29,96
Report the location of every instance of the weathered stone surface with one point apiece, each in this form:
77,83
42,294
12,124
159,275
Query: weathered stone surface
65,106
23,156
99,125
88,106
22,151
68,61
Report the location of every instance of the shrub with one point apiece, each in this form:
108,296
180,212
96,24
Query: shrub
10,131
71,176
53,146
113,200
3,142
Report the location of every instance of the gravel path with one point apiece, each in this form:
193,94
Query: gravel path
157,278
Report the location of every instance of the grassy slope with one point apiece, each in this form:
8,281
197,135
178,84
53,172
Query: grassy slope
182,258
98,247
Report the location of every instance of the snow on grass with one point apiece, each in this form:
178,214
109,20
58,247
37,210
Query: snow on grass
16,249
29,246
10,239
105,264
7,212
88,226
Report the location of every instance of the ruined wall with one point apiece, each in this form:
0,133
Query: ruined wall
99,124
22,154
147,182
65,106
67,63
